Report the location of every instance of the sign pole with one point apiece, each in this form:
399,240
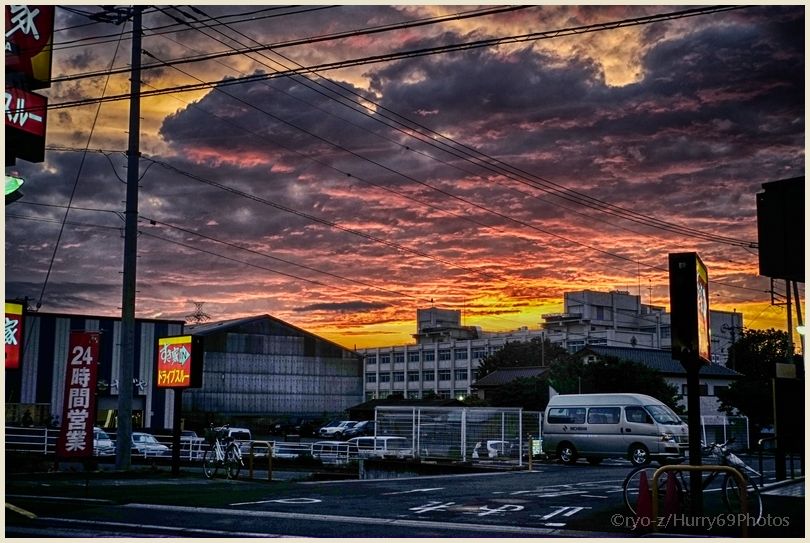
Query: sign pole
691,345
176,421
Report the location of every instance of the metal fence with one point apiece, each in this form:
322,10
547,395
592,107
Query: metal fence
462,434
718,429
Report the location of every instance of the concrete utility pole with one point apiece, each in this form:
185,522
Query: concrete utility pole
123,457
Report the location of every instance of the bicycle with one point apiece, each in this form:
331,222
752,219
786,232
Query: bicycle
223,452
730,491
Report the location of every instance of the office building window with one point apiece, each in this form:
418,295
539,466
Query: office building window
371,378
385,359
413,395
413,376
461,354
429,356
444,394
399,377
429,375
444,375
399,358
413,357
444,354
385,377
461,375
371,359
479,352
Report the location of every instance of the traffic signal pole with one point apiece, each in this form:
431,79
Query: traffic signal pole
123,457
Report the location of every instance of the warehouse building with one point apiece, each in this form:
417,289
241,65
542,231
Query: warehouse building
260,368
255,368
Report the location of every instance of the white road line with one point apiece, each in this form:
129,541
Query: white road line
158,527
414,490
343,518
57,498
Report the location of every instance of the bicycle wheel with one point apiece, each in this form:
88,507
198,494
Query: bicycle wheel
210,464
731,497
632,485
233,462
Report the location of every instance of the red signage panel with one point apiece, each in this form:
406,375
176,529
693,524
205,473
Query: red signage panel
79,413
180,362
29,41
26,111
14,328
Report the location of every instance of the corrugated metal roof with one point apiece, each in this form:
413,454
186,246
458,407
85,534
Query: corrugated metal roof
501,376
656,359
228,325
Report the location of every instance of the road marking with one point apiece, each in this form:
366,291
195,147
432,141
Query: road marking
20,511
452,526
295,501
431,506
161,527
566,511
485,510
414,490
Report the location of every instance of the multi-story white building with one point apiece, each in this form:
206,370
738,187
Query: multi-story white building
443,360
446,354
619,319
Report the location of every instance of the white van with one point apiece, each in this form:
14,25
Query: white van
597,426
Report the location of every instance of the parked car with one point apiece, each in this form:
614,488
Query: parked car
495,448
334,452
102,444
291,450
336,428
296,426
242,436
147,445
382,447
362,428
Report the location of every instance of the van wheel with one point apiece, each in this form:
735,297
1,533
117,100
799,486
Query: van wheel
639,455
567,453
594,461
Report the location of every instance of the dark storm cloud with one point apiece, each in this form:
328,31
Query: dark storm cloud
343,307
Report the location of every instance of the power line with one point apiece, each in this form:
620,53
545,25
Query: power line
396,56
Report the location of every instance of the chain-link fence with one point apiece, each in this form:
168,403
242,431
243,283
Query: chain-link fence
462,434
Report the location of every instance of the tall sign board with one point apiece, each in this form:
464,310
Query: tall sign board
29,44
179,362
689,307
689,310
79,411
14,329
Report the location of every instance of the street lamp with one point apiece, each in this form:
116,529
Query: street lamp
13,184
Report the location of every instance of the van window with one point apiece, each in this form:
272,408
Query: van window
637,414
663,414
603,415
566,415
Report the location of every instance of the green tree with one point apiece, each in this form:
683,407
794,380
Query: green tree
530,393
537,352
755,355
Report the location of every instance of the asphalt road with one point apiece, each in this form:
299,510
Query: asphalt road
552,500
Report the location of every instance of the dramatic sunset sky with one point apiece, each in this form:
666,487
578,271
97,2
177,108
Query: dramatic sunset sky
488,178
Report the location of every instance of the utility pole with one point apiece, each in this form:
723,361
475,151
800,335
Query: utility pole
123,457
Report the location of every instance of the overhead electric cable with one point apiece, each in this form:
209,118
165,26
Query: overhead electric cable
75,185
397,56
556,189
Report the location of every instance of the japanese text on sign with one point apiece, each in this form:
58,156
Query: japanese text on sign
174,362
76,438
13,335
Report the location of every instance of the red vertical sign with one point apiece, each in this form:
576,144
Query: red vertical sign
79,413
14,327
